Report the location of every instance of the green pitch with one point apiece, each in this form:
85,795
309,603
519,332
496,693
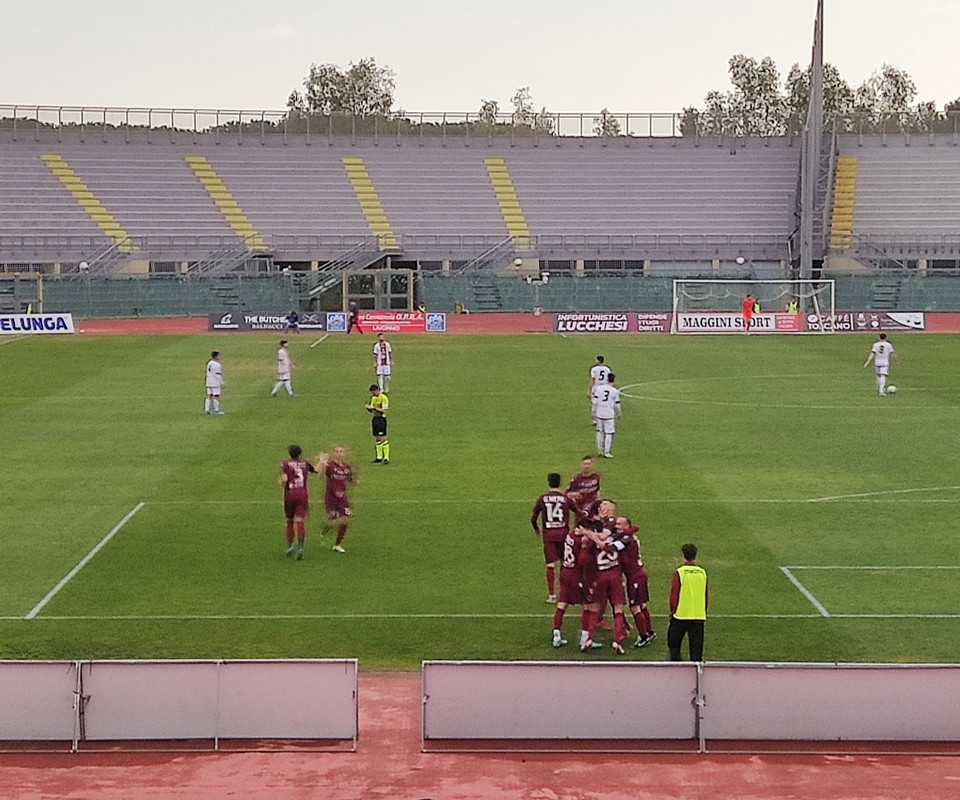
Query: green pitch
826,516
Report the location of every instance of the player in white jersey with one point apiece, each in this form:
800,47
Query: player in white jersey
215,384
598,375
606,408
383,362
284,370
881,354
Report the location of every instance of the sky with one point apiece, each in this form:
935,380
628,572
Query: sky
450,55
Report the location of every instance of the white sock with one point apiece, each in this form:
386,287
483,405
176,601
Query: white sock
216,404
608,442
584,636
289,388
206,404
599,442
882,381
276,388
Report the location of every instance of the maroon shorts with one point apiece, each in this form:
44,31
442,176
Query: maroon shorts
553,547
571,590
638,589
295,506
609,588
337,507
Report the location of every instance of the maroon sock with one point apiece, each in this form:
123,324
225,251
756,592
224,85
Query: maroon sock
301,532
558,619
589,622
641,623
289,531
341,532
646,618
620,630
551,579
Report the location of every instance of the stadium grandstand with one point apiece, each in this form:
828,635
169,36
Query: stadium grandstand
218,210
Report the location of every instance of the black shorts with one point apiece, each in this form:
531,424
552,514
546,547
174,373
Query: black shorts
379,426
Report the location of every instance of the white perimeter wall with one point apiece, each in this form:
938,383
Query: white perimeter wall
156,700
801,702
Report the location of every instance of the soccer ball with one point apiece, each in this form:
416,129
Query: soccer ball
892,389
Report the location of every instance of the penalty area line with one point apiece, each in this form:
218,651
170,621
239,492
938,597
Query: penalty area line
86,560
805,592
319,340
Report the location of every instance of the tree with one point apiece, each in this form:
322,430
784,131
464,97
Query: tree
756,102
756,106
606,124
525,114
489,110
838,98
363,90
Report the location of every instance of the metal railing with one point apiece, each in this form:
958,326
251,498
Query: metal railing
173,123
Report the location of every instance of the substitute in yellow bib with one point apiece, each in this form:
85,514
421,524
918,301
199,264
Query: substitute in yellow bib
689,595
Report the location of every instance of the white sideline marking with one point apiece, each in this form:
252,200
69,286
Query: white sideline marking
319,340
861,566
9,339
86,560
805,592
227,617
861,495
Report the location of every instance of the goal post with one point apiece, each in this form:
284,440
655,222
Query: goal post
702,305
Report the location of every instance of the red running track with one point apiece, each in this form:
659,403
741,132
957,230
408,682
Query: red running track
390,764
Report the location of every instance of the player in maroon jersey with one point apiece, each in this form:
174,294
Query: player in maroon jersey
571,584
638,591
555,509
293,479
603,558
584,487
338,474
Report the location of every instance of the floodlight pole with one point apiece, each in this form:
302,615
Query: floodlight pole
810,151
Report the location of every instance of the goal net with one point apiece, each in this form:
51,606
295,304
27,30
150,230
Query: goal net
716,306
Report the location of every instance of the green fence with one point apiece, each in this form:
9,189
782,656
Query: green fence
167,296
479,292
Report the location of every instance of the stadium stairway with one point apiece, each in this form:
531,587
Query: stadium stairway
486,295
507,199
369,201
844,195
224,200
86,199
886,294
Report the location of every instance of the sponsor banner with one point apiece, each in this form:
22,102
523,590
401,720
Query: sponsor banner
610,322
403,321
36,323
732,322
866,321
247,321
652,323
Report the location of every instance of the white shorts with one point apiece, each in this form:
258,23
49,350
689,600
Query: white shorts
214,389
384,370
606,426
283,376
883,370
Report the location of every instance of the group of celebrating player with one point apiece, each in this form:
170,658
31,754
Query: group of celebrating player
337,472
597,551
